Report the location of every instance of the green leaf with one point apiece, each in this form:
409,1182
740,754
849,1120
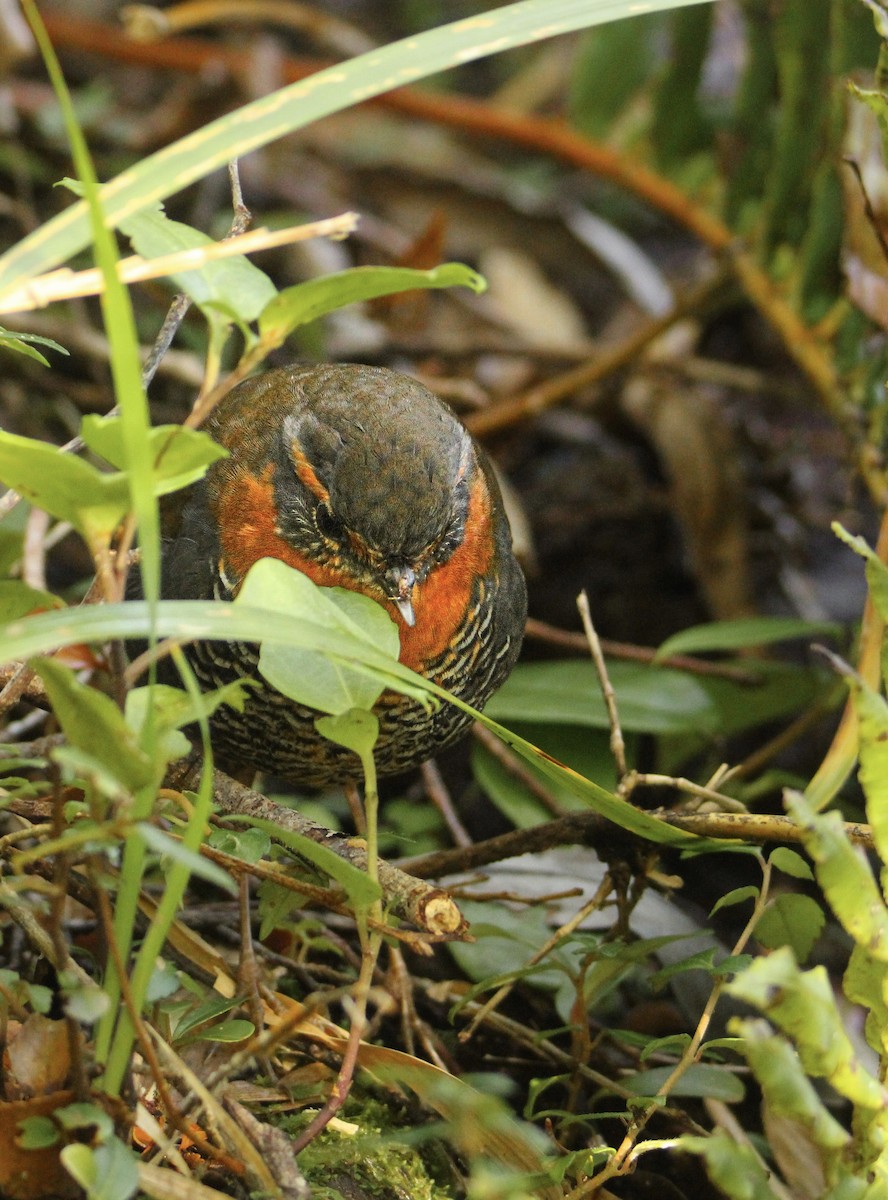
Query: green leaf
583,751
37,1133
155,703
227,1031
865,984
85,1116
735,896
791,920
172,708
876,570
356,730
24,343
169,847
196,619
232,286
250,845
705,1080
734,1167
844,875
802,1004
45,632
872,717
93,723
164,982
66,487
649,699
305,302
180,455
108,1172
79,767
787,1089
86,1002
210,1009
703,960
17,600
744,632
352,621
505,942
790,863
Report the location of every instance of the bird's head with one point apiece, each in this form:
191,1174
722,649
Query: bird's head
358,476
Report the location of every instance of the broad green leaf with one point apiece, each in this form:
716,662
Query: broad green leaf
172,708
791,920
702,1079
164,982
213,1007
293,107
143,704
504,943
744,632
26,343
64,486
37,1133
872,717
802,1004
80,767
649,699
108,1172
356,729
180,455
93,723
703,960
844,875
86,1003
865,984
734,1167
788,1090
790,863
247,844
236,1030
232,286
83,1115
736,896
608,804
17,599
306,302
674,1044
351,620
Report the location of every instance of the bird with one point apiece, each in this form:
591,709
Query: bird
361,478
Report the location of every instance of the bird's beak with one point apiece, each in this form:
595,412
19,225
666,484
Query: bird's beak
402,581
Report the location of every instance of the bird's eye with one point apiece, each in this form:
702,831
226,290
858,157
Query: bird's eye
328,525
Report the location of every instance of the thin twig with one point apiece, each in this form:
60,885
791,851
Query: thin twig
517,768
436,790
617,743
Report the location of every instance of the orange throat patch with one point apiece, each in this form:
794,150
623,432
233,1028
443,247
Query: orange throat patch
247,520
